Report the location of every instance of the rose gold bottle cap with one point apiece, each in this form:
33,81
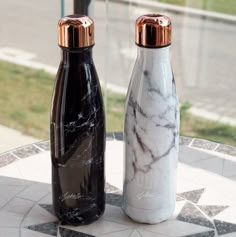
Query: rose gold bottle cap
153,31
76,31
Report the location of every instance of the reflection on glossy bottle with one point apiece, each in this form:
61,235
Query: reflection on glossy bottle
77,127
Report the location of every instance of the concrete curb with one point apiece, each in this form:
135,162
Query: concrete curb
180,10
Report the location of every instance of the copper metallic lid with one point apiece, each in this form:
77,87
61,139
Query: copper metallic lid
76,31
153,31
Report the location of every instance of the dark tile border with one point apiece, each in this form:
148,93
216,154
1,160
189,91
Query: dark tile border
185,141
226,149
45,145
204,144
33,149
26,151
6,159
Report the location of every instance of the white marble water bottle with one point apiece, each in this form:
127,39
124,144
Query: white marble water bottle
151,126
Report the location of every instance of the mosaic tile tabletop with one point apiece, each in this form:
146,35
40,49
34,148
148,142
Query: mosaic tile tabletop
205,203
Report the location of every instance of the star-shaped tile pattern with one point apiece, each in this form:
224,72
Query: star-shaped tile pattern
224,227
192,196
212,210
192,215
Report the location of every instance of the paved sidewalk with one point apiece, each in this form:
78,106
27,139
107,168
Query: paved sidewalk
11,139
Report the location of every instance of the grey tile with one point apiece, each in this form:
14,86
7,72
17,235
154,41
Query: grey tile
19,205
46,228
26,151
214,164
185,141
192,196
45,145
111,189
203,234
10,219
224,227
204,144
114,199
7,192
212,210
190,155
229,168
229,150
48,208
71,233
6,159
191,214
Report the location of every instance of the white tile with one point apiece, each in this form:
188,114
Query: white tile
228,215
175,228
8,192
36,168
115,214
114,163
9,219
145,233
124,233
100,227
19,205
31,233
229,168
135,233
35,192
46,200
189,155
9,232
38,215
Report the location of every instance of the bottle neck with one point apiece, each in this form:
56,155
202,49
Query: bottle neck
154,54
76,56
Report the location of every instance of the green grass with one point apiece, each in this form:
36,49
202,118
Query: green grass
25,98
221,6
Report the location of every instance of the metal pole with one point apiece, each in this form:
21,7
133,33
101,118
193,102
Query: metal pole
62,8
84,7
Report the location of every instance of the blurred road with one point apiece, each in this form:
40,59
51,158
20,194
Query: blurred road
203,50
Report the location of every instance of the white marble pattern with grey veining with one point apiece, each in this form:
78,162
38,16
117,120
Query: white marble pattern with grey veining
151,138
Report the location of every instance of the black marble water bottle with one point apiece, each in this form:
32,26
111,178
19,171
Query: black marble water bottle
77,129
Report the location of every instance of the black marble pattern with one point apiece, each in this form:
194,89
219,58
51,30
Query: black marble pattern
224,227
192,196
210,233
114,199
70,233
191,214
200,143
45,145
212,210
46,228
6,159
26,151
